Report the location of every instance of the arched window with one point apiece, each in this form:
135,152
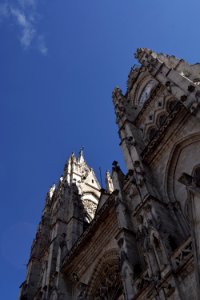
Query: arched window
106,280
146,92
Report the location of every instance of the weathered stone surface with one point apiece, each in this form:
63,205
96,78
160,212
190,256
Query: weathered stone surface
139,239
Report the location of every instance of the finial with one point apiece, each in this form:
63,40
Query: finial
133,75
81,151
117,95
72,158
81,157
115,166
109,182
68,164
115,163
51,190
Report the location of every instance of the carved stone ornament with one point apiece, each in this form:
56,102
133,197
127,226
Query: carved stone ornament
139,173
82,295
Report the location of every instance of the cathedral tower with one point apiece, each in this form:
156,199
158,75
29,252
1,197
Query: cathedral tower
68,211
140,237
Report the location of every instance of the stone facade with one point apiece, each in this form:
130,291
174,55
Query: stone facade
139,238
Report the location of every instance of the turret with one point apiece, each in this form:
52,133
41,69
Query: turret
69,208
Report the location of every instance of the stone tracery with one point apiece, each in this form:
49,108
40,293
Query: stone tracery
106,282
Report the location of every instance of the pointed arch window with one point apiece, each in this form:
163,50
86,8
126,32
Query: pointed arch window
147,91
106,281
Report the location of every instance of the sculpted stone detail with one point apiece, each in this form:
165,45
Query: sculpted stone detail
111,288
188,146
109,183
119,102
134,72
106,281
157,130
182,254
139,237
90,207
139,173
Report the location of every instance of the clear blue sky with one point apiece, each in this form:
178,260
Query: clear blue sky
60,61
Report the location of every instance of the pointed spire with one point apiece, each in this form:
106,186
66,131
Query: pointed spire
49,196
72,157
52,190
81,157
117,95
109,183
67,168
117,176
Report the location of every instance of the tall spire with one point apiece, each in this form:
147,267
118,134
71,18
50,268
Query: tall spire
81,157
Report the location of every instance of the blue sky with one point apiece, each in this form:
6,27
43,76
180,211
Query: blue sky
60,61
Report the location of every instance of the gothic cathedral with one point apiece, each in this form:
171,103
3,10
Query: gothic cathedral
140,237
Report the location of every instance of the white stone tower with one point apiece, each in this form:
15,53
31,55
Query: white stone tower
69,209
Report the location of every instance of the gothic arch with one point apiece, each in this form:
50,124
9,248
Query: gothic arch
158,247
161,119
89,193
141,84
105,282
151,133
182,158
90,202
135,93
